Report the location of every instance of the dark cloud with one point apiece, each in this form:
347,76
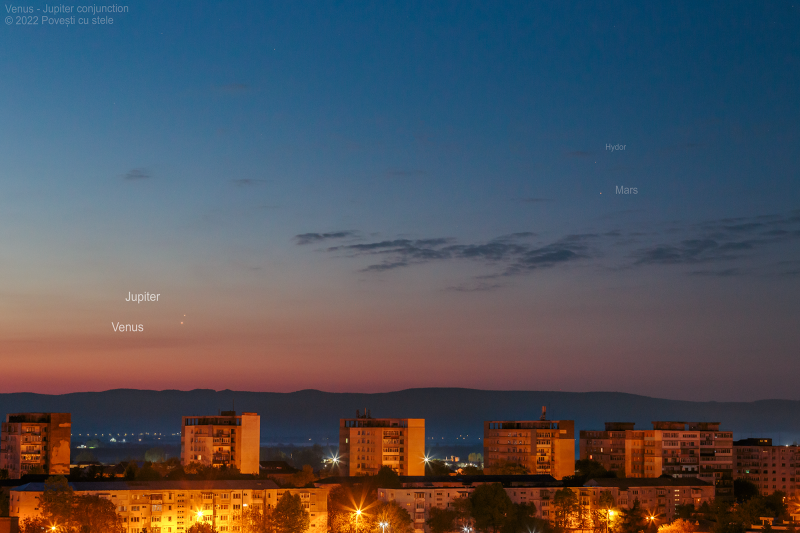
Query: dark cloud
724,273
311,238
730,247
137,174
510,252
722,240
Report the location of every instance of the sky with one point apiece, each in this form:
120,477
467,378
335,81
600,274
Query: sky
366,197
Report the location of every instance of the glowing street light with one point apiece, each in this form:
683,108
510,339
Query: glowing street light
383,525
609,515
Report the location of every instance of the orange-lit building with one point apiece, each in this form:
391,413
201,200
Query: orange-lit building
770,468
37,442
680,449
541,446
228,440
366,444
175,506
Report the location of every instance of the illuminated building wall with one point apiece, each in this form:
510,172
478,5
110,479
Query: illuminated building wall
224,440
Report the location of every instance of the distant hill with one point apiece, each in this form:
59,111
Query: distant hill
313,416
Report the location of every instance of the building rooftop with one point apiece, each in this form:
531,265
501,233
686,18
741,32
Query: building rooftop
541,480
625,483
92,486
753,442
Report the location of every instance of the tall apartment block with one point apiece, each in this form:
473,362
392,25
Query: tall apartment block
770,468
36,442
680,449
542,446
366,444
228,440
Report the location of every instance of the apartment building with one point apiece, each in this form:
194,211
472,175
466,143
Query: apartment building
681,449
174,506
366,444
770,468
658,497
543,447
35,442
228,440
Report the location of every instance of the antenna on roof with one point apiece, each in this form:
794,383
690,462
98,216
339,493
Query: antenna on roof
544,413
358,414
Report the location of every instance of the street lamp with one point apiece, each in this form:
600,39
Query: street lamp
609,514
383,525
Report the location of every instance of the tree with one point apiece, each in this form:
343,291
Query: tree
684,511
86,456
490,505
475,458
94,514
601,516
130,471
436,467
522,518
342,504
148,473
34,525
393,514
471,471
632,520
565,503
387,478
59,506
56,501
507,468
289,515
678,526
303,477
154,455
743,490
201,527
586,469
255,521
441,520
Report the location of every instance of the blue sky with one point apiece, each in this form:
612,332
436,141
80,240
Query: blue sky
416,182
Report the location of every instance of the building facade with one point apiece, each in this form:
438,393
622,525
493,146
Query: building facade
35,442
657,497
174,506
543,447
680,449
228,440
366,444
770,468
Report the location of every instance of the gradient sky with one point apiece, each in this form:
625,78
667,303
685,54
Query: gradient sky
375,196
